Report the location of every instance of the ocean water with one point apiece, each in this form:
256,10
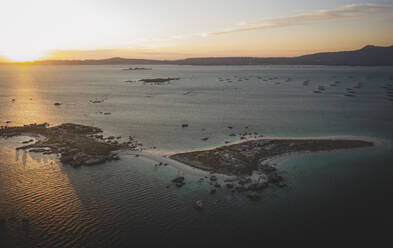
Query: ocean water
332,198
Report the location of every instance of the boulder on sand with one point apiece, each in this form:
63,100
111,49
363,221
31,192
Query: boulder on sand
244,180
213,178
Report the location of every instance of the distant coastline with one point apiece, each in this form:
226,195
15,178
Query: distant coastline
366,56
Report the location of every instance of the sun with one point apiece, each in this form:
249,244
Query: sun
23,55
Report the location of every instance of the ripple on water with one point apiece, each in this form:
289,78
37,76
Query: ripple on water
117,203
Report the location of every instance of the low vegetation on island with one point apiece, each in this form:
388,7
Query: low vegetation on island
249,161
76,144
244,158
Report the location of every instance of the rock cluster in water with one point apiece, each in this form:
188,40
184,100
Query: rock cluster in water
137,69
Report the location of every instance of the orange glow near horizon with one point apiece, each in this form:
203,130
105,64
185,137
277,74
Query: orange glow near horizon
19,55
151,29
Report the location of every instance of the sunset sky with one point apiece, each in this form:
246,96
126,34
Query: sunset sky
172,29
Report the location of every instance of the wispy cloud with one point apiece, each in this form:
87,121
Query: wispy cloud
348,11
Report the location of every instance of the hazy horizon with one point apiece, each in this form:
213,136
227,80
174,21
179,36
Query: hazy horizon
170,59
176,29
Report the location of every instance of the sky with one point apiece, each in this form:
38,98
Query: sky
174,29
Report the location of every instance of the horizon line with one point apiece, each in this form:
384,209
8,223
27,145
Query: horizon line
182,59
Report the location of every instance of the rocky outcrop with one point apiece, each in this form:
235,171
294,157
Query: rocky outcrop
76,144
179,181
213,178
157,81
198,204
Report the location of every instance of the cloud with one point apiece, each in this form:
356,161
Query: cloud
348,11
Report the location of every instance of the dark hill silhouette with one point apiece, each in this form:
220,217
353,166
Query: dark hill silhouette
367,56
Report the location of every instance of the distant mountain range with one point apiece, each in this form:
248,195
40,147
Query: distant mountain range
367,56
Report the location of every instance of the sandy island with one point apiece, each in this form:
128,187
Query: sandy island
248,164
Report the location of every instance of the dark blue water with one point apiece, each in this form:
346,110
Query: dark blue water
334,198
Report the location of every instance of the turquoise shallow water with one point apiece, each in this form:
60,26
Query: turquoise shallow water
335,196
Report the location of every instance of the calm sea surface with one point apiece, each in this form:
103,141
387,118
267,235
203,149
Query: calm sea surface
331,198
